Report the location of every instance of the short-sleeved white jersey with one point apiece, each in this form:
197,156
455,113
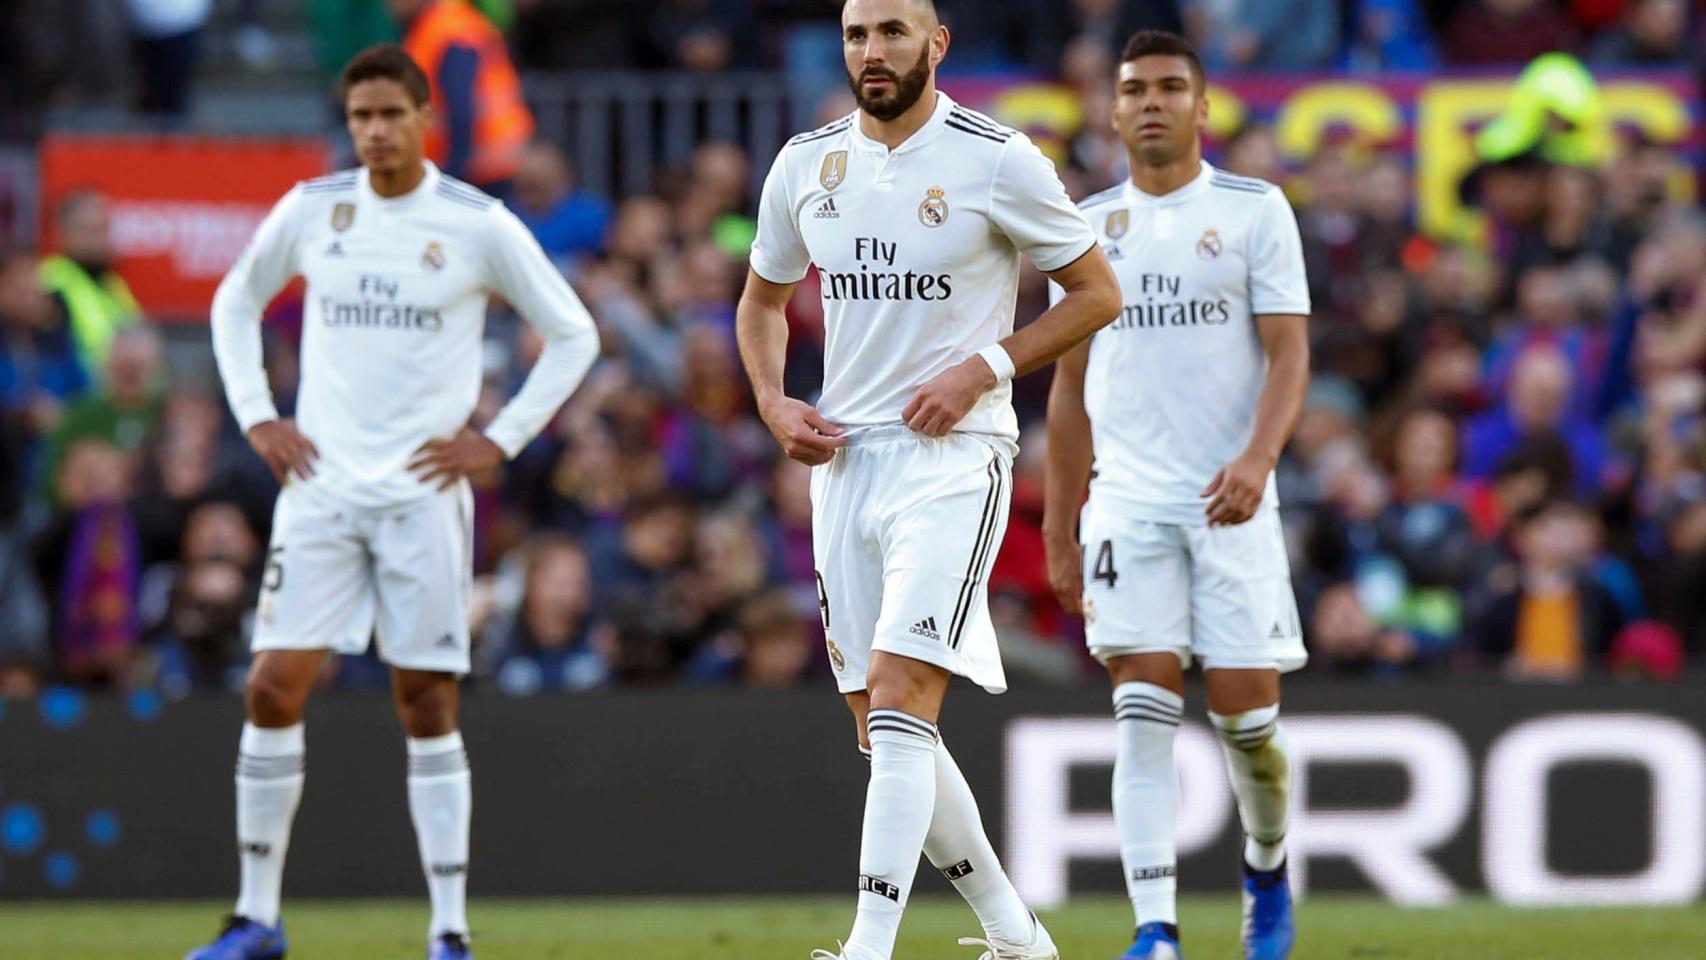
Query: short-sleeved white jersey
1172,384
917,249
394,313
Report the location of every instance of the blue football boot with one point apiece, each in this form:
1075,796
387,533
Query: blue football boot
1268,926
449,946
1155,941
243,939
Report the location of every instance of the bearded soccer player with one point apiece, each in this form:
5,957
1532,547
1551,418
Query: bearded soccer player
372,531
915,211
1185,403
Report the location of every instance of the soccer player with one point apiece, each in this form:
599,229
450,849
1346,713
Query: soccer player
1185,403
915,211
372,529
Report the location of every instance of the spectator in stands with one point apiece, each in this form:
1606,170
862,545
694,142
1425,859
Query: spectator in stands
482,125
1487,32
777,645
195,607
1652,33
126,408
340,29
168,48
39,368
1389,36
1253,151
91,554
569,223
642,582
1289,35
97,301
1538,403
550,640
1549,620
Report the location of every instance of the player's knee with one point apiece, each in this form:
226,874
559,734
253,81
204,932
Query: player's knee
1249,731
428,709
912,686
272,697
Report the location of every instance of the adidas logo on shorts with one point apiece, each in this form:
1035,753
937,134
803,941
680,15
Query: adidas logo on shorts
926,628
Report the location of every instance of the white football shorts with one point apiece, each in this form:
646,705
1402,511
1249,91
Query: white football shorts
905,529
338,575
1222,594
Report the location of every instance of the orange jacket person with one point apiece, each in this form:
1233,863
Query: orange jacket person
483,123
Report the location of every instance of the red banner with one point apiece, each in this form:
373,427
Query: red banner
181,207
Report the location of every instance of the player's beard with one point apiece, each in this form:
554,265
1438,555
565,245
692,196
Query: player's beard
904,89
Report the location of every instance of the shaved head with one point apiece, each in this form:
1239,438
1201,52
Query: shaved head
923,11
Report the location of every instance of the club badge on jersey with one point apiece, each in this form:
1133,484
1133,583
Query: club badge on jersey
1118,223
1209,246
342,216
933,212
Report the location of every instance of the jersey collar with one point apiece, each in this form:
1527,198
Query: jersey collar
923,135
1189,191
425,188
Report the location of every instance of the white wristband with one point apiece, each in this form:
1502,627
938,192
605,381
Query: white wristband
998,361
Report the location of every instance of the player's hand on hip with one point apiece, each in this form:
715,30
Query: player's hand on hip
1066,573
1237,490
286,451
941,404
803,432
444,462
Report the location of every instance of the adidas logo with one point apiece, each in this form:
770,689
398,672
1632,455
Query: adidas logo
1113,251
827,211
926,628
448,640
335,250
1276,633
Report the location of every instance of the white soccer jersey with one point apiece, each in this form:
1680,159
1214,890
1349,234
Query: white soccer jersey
1172,383
395,311
918,250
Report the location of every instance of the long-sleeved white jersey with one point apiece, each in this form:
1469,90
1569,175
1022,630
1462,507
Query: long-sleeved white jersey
394,315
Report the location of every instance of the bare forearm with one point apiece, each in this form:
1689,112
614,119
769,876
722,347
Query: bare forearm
1078,315
762,332
1281,400
1066,475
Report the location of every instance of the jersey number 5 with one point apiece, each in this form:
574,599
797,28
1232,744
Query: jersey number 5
1105,565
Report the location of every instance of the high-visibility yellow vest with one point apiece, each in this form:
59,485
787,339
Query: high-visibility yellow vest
97,309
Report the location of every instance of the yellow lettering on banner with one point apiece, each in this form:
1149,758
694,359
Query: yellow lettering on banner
1310,112
1226,112
1051,114
1446,114
1657,112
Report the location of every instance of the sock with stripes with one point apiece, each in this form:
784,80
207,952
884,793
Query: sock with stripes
958,846
899,804
269,786
1256,759
1146,797
441,801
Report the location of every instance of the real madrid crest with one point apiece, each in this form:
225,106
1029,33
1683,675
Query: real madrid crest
1209,246
836,658
1118,223
342,216
933,212
834,170
433,258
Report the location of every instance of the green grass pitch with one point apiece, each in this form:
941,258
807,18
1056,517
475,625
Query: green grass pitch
1353,928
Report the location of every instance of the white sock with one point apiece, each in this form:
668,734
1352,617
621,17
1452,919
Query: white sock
1146,797
1256,759
898,808
958,846
269,786
441,800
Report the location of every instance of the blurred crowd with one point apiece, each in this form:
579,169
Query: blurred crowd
148,52
1501,467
